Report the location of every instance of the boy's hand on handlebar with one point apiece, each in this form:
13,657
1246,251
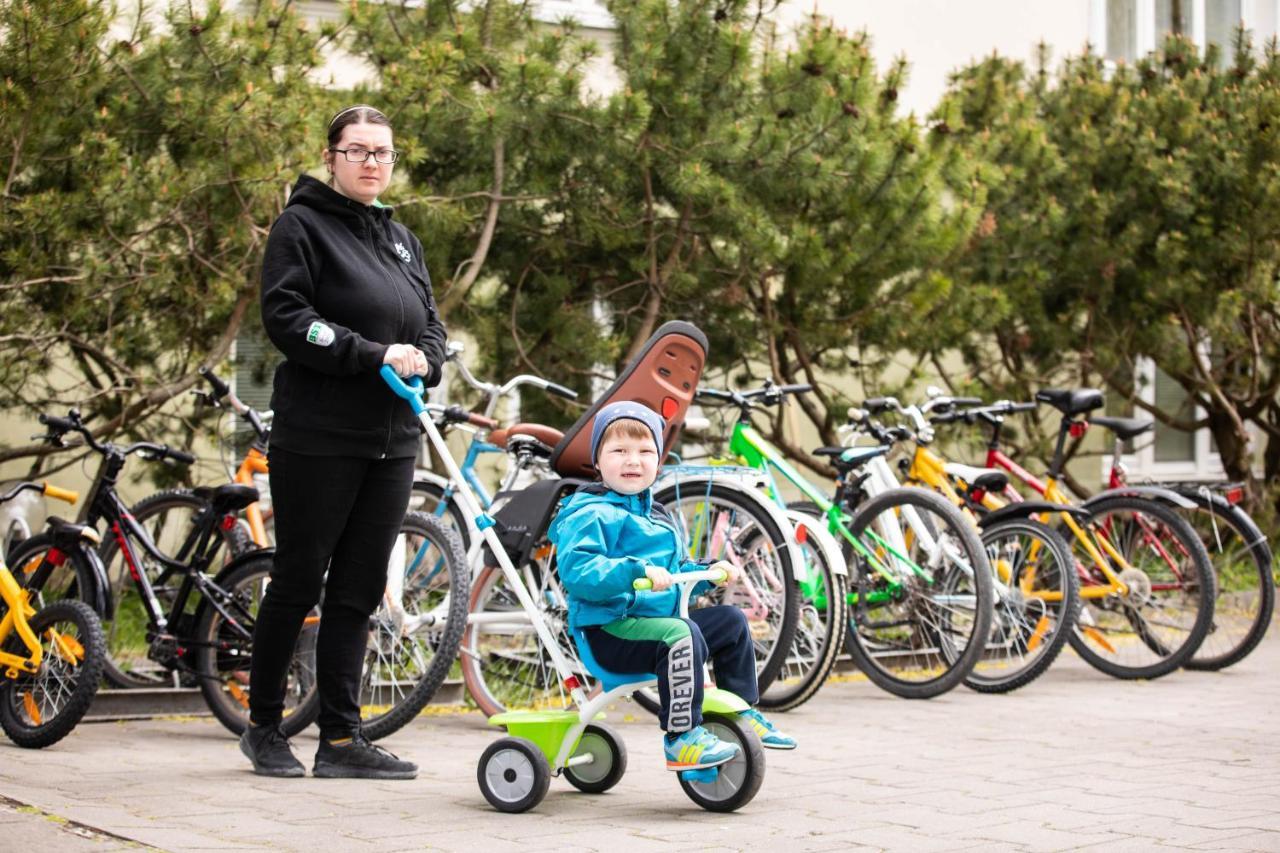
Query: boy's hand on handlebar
659,577
731,572
406,360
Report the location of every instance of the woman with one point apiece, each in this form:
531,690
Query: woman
344,291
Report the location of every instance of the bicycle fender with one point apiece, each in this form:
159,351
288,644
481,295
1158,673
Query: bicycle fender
102,602
1156,493
1257,539
816,530
1026,509
239,561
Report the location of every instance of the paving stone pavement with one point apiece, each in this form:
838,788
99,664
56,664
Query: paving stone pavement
1074,761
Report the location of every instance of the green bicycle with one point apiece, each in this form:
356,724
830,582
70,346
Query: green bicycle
915,602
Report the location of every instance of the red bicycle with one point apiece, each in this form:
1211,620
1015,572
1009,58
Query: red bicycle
1146,581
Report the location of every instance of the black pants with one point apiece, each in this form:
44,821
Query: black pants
336,514
676,650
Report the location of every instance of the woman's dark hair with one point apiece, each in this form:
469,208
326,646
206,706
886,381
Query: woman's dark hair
360,113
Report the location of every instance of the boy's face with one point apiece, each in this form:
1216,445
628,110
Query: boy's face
628,465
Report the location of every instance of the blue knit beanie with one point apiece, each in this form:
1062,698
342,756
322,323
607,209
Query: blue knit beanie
625,409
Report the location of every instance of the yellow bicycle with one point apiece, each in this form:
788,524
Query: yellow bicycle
51,659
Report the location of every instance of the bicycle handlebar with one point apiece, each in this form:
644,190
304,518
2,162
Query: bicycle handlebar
49,490
220,388
65,495
995,410
772,394
561,391
222,391
148,450
713,575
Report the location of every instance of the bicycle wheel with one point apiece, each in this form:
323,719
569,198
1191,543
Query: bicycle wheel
1035,606
40,709
413,642
1157,625
170,518
920,633
719,522
223,650
429,497
1246,589
820,628
504,665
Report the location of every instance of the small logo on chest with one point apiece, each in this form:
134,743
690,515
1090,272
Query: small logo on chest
404,253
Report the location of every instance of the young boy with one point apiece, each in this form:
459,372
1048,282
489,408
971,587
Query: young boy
609,534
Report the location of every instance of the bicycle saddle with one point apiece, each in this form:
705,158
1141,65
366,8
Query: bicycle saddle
844,458
549,436
988,479
1125,428
65,531
1074,401
228,497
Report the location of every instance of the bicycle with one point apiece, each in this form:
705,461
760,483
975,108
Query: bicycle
415,633
51,658
206,629
433,493
1146,582
920,586
1036,590
1237,547
821,581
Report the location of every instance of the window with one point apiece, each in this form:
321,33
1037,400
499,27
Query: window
1165,453
588,13
1125,30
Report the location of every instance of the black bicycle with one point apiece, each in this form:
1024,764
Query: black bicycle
203,627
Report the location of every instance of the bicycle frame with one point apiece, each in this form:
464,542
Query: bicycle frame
929,468
757,453
254,462
1098,548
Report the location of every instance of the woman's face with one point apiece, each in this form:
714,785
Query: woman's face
362,182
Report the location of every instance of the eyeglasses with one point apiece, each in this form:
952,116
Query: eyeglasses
360,155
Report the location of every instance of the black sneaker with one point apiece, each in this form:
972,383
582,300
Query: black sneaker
269,751
357,758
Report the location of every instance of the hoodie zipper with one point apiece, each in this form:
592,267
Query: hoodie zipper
373,247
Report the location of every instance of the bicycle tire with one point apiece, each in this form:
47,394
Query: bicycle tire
504,666
24,719
432,495
129,617
1049,625
775,541
1238,577
868,651
388,648
820,630
1088,635
223,672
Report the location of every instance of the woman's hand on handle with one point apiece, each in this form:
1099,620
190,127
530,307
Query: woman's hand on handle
407,360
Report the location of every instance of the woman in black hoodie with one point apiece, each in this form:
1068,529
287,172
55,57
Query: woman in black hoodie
344,291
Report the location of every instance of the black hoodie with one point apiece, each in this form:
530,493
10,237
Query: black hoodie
341,282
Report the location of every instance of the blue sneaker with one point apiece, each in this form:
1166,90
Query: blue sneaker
697,749
770,737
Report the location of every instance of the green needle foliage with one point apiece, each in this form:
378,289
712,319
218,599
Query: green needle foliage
142,168
1131,214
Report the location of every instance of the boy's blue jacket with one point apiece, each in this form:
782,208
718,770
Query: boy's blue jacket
604,540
